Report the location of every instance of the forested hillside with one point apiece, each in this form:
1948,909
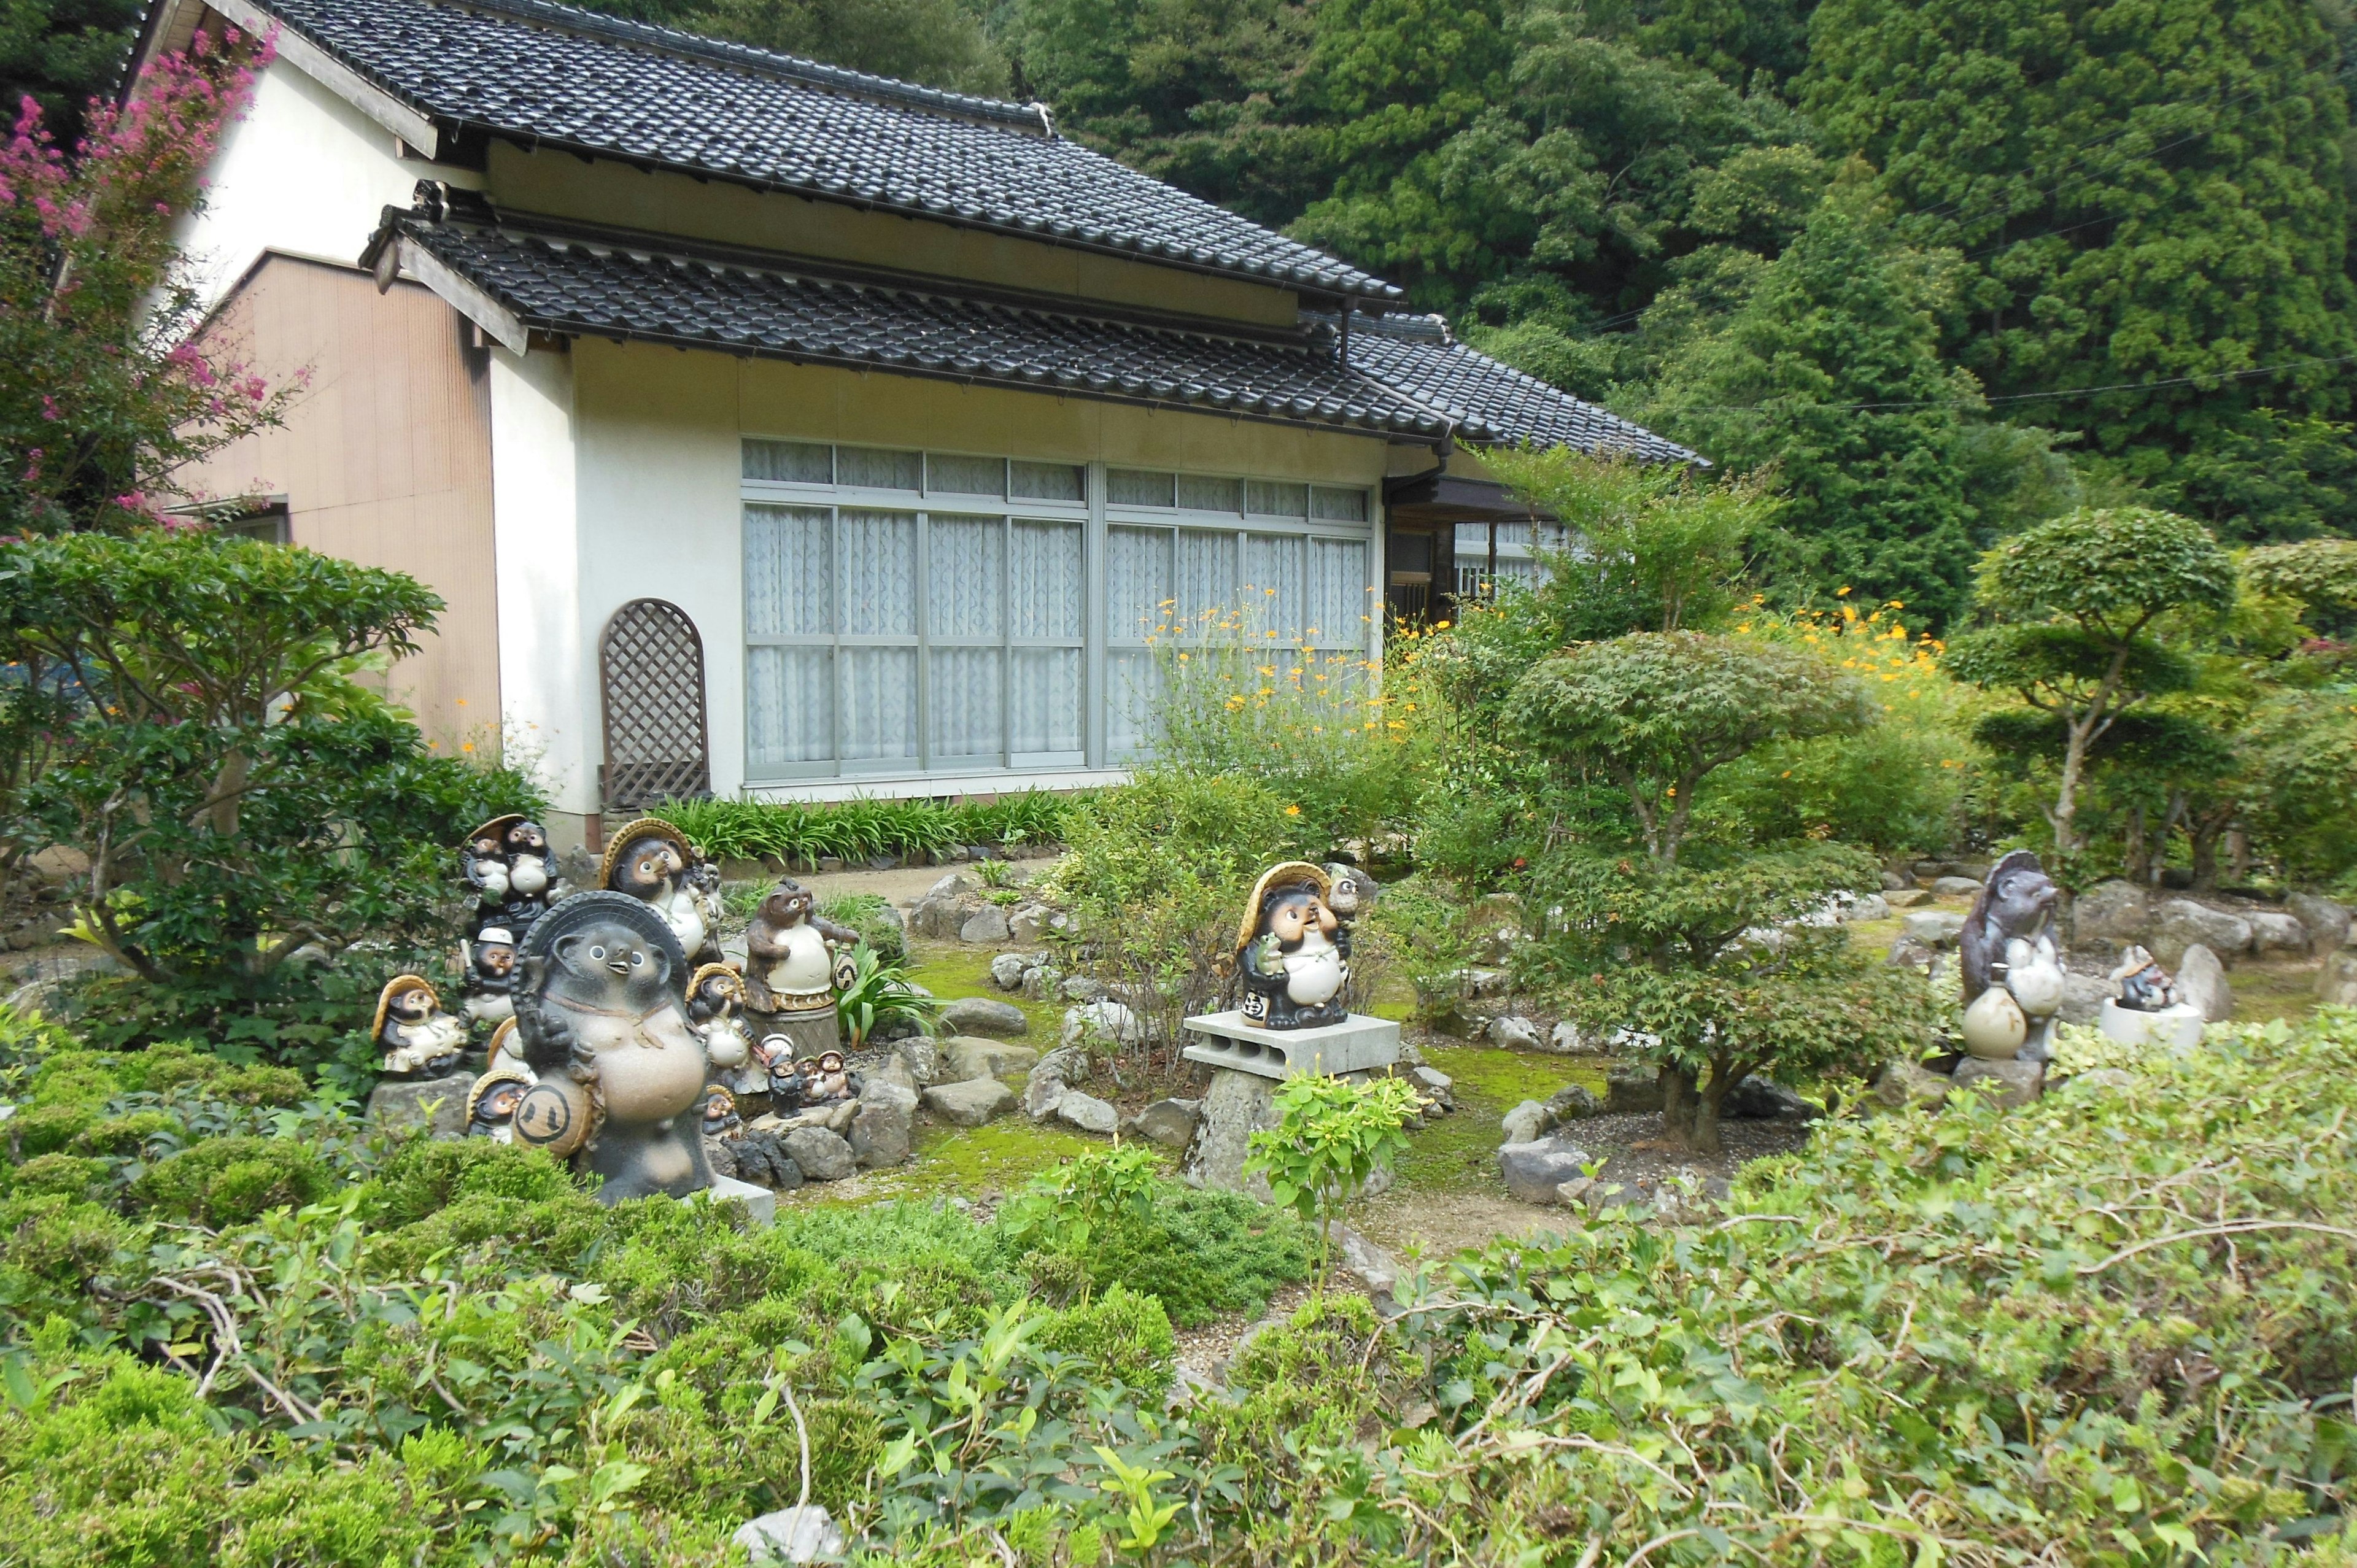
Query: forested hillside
1949,265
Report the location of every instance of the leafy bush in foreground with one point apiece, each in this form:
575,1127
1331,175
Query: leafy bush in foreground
2114,1327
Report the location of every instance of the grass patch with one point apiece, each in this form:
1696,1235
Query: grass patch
976,1162
2264,990
1460,1153
950,972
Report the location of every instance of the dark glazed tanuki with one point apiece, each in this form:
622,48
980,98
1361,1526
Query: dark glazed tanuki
601,1009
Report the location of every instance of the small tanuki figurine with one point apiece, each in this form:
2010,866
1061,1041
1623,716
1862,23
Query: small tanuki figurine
652,862
715,994
2145,986
491,1102
419,1040
1293,952
2012,976
601,1012
776,1053
489,961
508,863
794,960
833,1083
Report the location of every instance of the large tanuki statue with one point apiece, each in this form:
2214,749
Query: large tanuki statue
601,1012
795,961
2013,979
1293,952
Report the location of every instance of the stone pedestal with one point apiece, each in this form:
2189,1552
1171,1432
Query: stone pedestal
2175,1029
1357,1044
439,1104
760,1204
813,1033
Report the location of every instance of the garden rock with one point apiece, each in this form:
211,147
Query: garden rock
985,1015
437,1104
2274,932
970,1056
1870,907
1169,1123
1007,971
1903,1084
2180,924
1565,1040
1376,1269
985,924
2084,996
1955,887
1105,1020
1906,952
1632,1093
2336,983
1042,982
921,1057
1895,882
1524,1123
882,1129
1570,1103
2112,911
946,907
1235,1106
1029,922
823,1156
803,1534
1434,1085
970,1103
1087,1112
1516,1035
1536,1169
2018,1082
1487,981
762,1159
59,864
2201,982
2325,922
1080,988
1048,1078
1935,927
1907,898
1764,1099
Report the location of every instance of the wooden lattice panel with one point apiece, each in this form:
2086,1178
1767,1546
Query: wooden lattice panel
651,665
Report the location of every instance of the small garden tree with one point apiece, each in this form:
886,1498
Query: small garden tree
1331,1137
2075,602
238,793
1701,953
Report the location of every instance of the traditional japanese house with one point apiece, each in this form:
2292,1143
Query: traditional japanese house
770,427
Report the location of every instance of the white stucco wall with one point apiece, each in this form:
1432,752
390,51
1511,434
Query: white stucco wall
656,435
304,173
548,690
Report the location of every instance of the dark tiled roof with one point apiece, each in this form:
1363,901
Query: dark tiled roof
613,286
530,68
1418,357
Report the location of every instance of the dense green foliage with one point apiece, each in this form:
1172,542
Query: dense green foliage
795,833
240,795
2112,1323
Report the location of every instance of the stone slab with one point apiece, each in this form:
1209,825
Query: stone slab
760,1204
439,1104
1357,1044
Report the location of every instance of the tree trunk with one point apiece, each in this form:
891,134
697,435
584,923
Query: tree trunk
1707,1103
2134,848
2238,853
1677,1106
2203,837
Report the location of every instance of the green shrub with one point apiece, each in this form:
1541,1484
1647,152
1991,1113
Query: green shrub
64,1176
795,833
425,1176
124,1136
1126,1333
53,1250
228,1181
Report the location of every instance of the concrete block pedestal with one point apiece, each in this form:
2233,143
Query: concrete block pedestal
1357,1044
